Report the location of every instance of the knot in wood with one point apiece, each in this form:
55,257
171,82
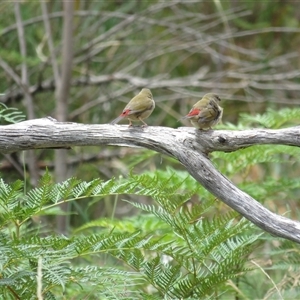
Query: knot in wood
221,139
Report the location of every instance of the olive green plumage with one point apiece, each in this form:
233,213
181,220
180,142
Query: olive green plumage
206,112
139,108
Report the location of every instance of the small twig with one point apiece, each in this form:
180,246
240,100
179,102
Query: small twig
268,276
46,20
39,277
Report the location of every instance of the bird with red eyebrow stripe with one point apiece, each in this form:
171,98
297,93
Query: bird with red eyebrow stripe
139,108
206,112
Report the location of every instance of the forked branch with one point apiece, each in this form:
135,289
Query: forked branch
187,145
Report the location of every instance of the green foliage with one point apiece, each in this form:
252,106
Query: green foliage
172,251
10,114
267,281
273,118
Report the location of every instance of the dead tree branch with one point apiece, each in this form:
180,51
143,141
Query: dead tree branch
187,145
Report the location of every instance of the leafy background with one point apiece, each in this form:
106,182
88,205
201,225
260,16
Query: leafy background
137,226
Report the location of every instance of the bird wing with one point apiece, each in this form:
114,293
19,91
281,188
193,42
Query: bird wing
210,113
193,112
138,104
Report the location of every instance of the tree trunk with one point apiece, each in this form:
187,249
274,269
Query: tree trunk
62,96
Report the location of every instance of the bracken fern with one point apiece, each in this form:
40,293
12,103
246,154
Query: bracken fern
171,251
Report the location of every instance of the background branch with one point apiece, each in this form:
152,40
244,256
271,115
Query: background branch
180,84
53,58
32,161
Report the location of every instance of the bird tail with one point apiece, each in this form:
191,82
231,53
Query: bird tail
186,117
182,118
117,120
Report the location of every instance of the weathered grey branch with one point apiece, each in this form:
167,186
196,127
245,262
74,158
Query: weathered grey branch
186,144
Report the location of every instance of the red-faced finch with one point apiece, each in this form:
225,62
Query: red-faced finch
206,112
139,108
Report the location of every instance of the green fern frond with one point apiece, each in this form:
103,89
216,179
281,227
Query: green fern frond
56,274
159,275
15,277
108,283
10,114
107,242
174,247
134,258
158,212
10,196
149,297
274,118
237,161
162,186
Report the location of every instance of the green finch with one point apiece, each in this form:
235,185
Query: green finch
206,112
139,108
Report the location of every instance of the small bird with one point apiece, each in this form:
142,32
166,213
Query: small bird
206,112
139,108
